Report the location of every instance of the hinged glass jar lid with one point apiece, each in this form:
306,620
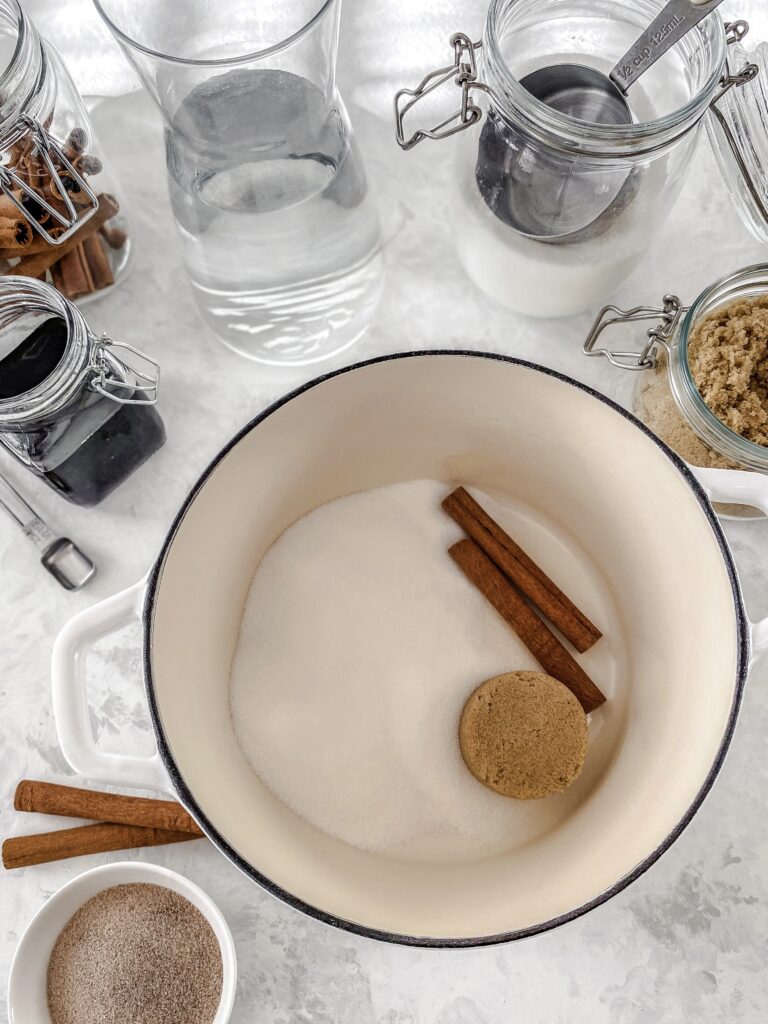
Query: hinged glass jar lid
738,130
554,210
59,214
702,371
75,408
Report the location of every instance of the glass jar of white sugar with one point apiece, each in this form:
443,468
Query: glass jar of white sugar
551,212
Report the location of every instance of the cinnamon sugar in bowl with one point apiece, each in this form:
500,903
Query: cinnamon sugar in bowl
29,992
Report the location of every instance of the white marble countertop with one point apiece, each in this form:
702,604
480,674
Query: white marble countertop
687,941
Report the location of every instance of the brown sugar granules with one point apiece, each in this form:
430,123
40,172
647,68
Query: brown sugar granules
656,407
524,734
728,359
135,954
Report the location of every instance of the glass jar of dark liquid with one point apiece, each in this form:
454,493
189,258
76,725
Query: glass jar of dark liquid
76,409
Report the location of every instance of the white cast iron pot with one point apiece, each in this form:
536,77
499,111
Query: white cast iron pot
642,530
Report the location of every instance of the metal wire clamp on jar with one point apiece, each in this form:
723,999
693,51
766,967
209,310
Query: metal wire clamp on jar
76,409
666,397
59,214
603,188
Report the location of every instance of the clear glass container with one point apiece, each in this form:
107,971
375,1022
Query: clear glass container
666,397
280,238
76,409
60,210
552,213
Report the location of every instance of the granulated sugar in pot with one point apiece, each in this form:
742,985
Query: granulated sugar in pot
359,645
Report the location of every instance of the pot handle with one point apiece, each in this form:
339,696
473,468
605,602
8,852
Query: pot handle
742,487
70,696
737,486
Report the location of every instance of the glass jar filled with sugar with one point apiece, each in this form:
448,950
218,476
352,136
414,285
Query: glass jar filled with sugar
554,203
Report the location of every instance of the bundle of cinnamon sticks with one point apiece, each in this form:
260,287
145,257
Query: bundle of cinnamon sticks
122,823
517,588
81,264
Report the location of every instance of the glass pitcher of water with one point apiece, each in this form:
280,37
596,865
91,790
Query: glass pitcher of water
281,240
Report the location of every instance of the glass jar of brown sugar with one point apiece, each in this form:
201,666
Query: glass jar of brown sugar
702,382
76,409
60,216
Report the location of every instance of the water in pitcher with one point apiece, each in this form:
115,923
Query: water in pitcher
281,240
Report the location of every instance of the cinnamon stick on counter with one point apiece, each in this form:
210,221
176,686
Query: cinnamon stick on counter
23,851
516,612
522,570
72,802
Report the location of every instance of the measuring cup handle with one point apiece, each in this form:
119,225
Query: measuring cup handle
741,487
670,25
70,696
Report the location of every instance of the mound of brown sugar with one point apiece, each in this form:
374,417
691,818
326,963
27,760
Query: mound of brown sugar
523,734
728,359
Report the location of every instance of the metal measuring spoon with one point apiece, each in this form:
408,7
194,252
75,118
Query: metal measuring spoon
545,196
60,556
589,95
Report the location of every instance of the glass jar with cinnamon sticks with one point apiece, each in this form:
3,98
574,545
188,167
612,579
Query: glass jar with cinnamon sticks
60,218
75,408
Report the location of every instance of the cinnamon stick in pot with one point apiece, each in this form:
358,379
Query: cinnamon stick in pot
23,851
517,613
118,808
521,570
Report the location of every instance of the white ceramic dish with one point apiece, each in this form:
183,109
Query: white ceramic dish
27,980
648,561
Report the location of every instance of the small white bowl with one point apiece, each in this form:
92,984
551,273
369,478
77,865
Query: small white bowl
27,1003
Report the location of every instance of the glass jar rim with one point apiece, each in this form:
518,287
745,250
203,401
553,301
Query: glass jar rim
58,387
29,68
730,444
23,27
598,140
283,44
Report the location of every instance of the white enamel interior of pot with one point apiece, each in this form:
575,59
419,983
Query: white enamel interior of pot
579,469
